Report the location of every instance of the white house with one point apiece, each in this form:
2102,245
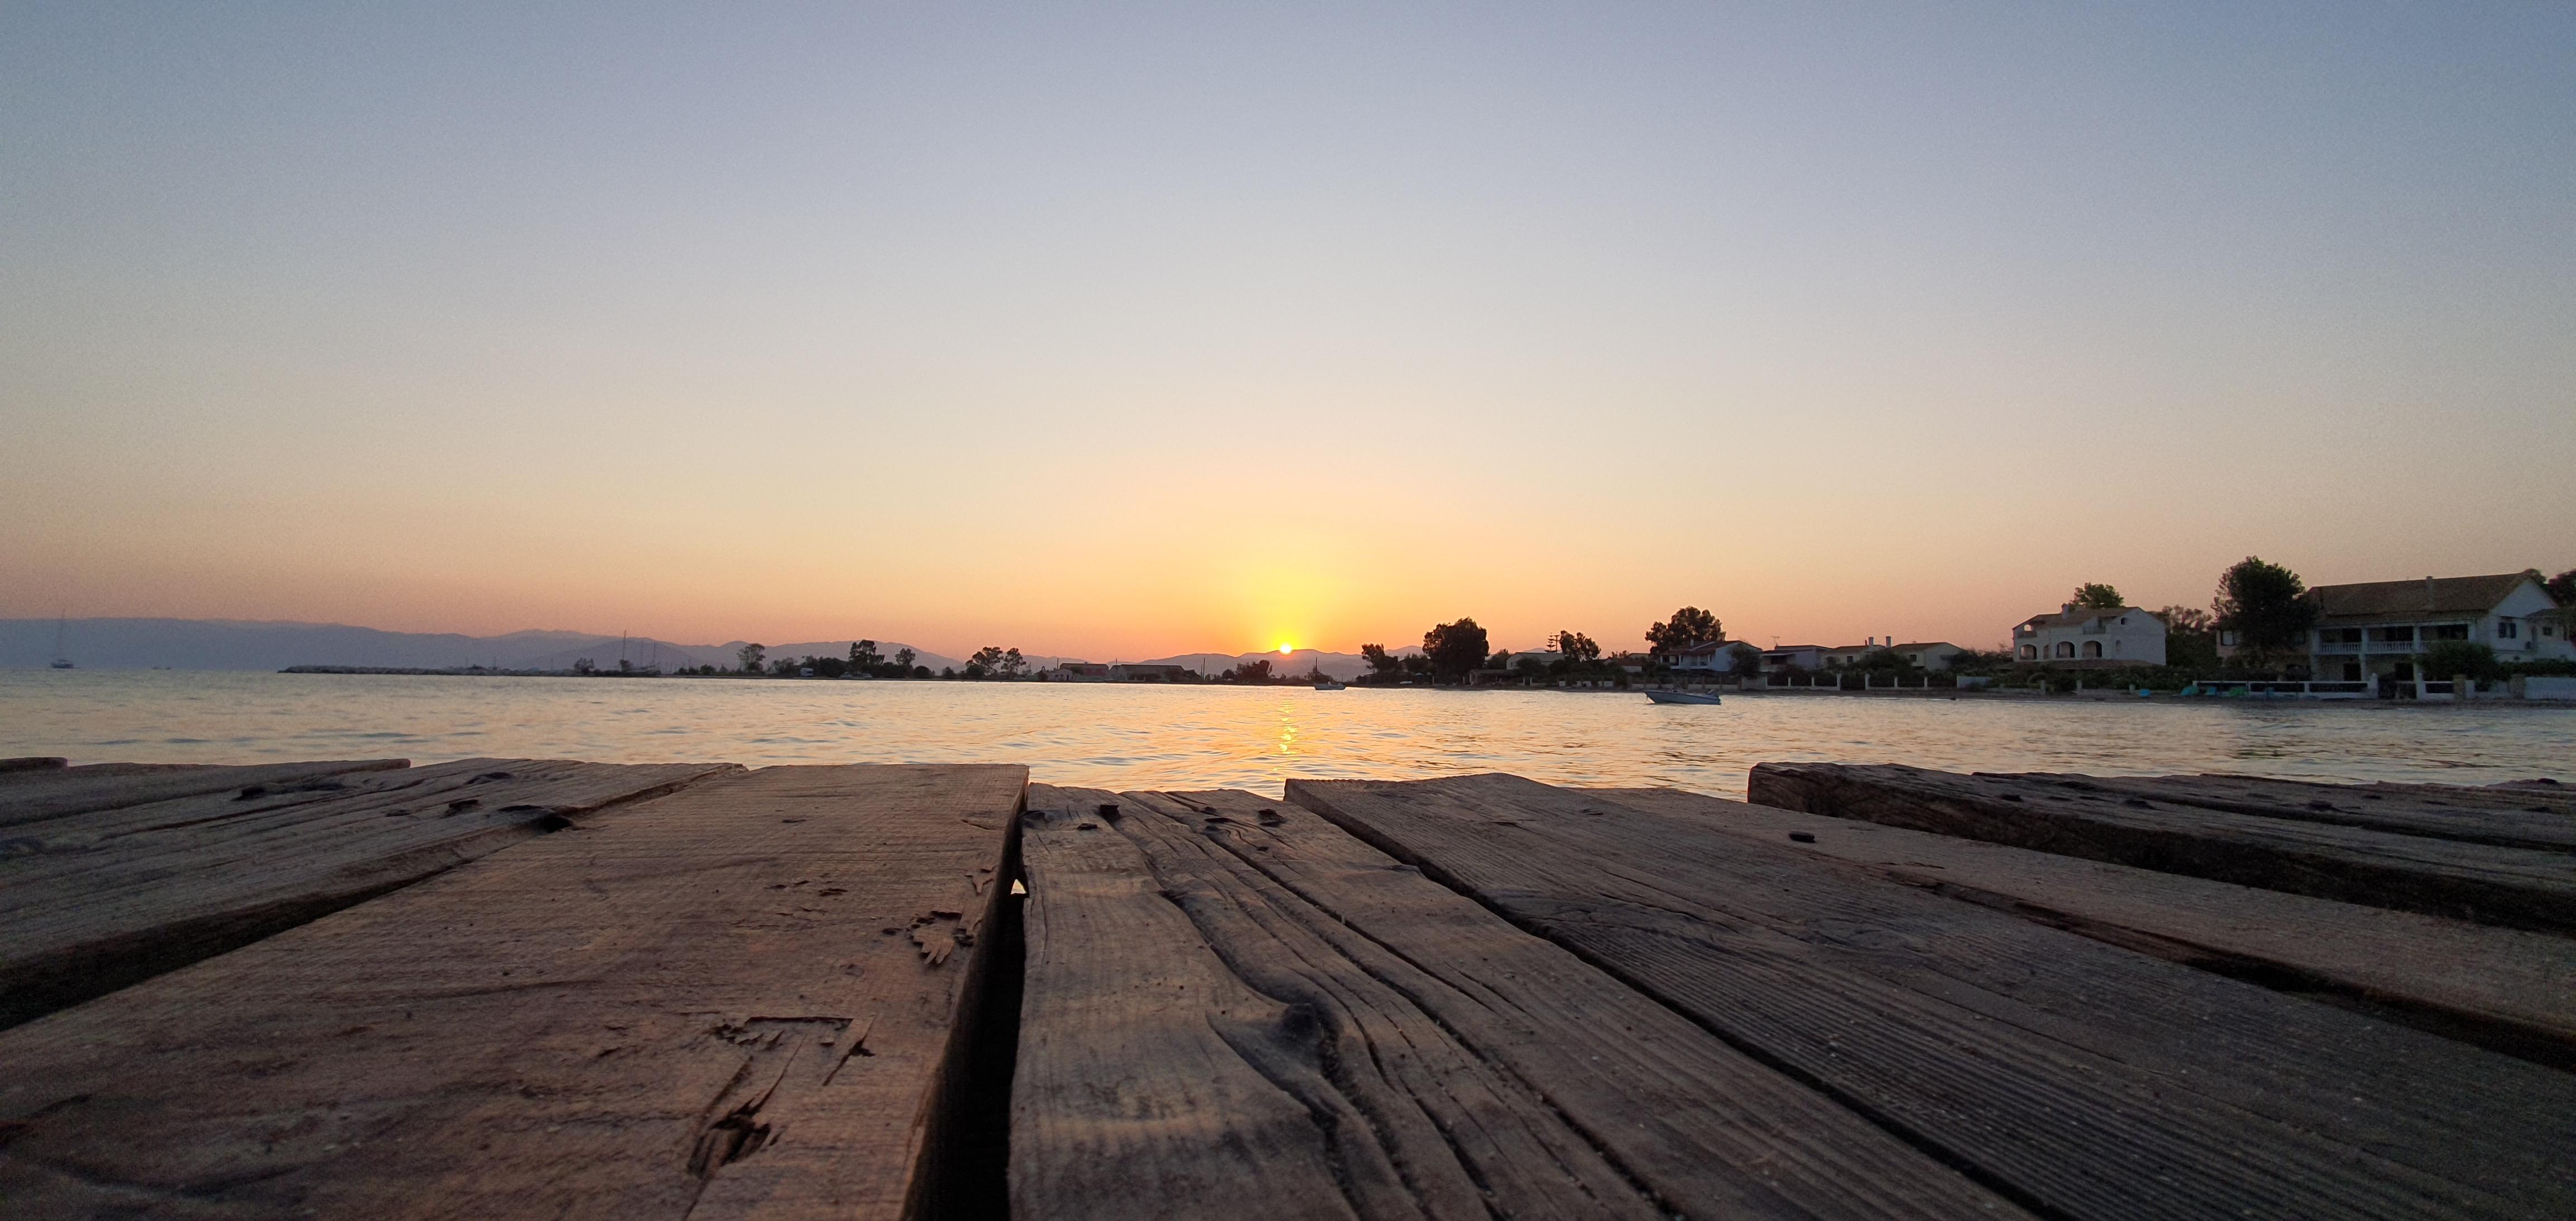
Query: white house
1928,654
2377,628
1795,657
1712,657
2083,636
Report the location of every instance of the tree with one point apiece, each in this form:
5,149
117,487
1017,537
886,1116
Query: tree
585,666
751,655
2561,587
864,657
1012,663
1381,664
1689,626
2094,595
782,666
984,661
828,667
1748,660
2184,619
2191,643
1251,672
2265,604
903,661
2449,658
1455,649
1577,647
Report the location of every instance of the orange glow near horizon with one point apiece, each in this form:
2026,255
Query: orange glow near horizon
1286,648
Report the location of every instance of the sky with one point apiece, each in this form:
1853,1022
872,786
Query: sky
1115,331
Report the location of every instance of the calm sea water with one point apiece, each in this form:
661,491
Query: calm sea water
1256,738
1240,738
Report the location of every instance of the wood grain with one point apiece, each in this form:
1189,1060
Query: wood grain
2505,988
1236,1010
2518,887
2085,1079
34,796
2470,816
731,1001
96,901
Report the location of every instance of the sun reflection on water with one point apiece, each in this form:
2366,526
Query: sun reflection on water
1123,737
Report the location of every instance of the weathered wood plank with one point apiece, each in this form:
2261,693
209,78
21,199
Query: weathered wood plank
93,902
2505,988
1235,1010
35,796
2087,1079
731,1001
2471,816
2520,887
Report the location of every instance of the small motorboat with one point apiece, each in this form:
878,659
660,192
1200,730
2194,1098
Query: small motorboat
1331,685
1682,697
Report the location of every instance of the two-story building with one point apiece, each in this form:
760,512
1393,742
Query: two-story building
1927,654
1795,657
2091,637
1707,657
2377,629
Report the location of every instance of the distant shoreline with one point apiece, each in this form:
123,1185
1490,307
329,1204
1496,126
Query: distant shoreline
2016,695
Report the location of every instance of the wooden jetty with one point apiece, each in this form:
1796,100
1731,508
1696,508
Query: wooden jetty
544,988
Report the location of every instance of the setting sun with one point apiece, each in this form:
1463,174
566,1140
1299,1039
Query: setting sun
1286,648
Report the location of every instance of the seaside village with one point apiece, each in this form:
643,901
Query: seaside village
2505,636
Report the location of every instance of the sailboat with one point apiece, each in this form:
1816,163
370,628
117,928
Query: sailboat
60,662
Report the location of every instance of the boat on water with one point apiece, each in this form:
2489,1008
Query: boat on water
1331,685
1682,697
60,662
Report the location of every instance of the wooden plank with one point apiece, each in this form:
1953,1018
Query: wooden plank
2503,988
2519,887
2471,816
93,902
1235,1010
35,796
730,1001
2536,796
2089,1080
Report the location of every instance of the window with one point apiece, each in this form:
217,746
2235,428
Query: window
2507,629
2447,631
2030,652
2092,648
2066,648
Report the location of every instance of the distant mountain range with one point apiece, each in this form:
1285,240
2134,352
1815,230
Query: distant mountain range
226,644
